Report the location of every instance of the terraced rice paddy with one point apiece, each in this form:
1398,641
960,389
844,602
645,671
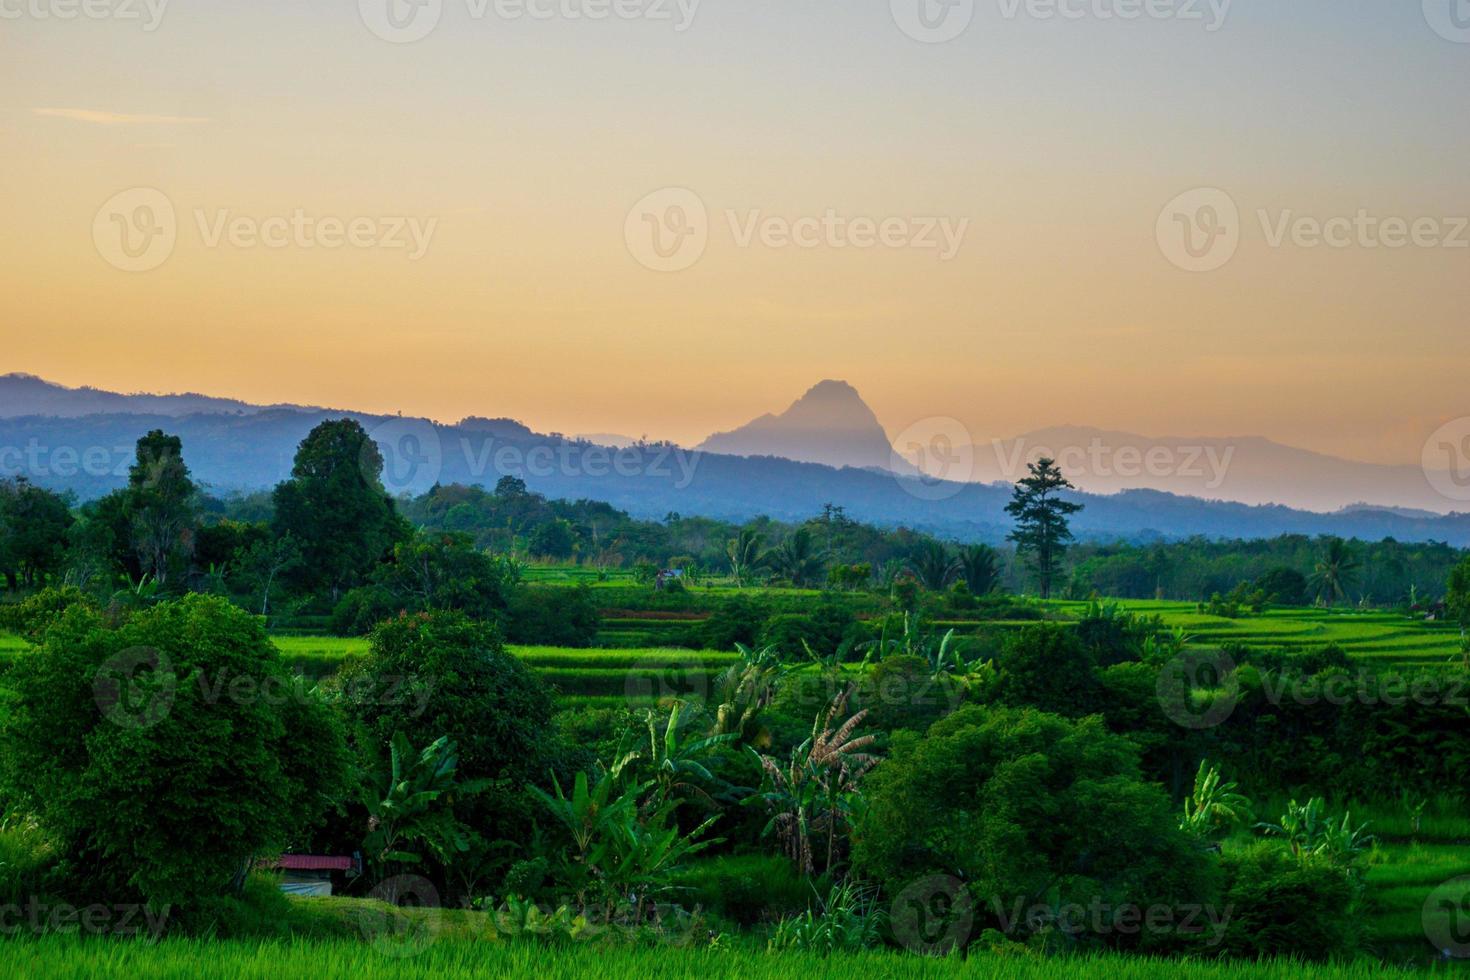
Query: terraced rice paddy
619,670
1381,639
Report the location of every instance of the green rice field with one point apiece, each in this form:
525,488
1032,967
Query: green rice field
453,958
611,672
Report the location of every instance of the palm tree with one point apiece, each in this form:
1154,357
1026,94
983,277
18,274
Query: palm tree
744,552
978,567
934,566
796,558
1336,571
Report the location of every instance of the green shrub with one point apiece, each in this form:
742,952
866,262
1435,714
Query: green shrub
526,879
441,673
1047,668
1020,804
33,615
823,629
739,619
26,856
260,910
902,692
744,889
161,755
847,921
361,609
1281,905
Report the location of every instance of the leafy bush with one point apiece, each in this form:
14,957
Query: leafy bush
440,673
1283,586
429,571
1018,804
526,878
161,755
739,619
363,608
1046,667
1283,906
904,692
26,856
745,889
1112,635
33,615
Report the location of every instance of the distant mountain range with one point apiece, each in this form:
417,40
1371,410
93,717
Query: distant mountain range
1247,469
832,425
233,446
26,394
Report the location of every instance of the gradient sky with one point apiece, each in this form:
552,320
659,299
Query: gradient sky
529,141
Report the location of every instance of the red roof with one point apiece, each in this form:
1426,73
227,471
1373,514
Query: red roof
314,862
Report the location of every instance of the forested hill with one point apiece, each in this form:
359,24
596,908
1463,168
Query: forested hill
89,455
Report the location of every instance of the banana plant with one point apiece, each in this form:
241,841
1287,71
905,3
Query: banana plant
599,816
1214,806
816,791
648,856
672,760
410,817
1309,832
744,690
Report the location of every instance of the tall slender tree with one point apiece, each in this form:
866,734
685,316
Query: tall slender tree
1041,533
161,507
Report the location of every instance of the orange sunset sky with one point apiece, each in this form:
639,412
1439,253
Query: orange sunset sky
526,141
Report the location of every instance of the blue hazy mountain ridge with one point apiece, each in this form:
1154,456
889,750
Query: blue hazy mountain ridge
253,450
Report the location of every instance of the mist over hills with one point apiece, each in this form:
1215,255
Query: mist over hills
1244,469
252,447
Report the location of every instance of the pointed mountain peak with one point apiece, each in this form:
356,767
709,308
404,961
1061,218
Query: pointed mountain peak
830,424
830,389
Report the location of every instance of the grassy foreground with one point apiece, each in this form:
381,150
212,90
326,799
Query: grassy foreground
60,956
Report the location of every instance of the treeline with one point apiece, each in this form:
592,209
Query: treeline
330,541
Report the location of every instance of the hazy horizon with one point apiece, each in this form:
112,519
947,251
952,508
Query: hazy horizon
517,160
